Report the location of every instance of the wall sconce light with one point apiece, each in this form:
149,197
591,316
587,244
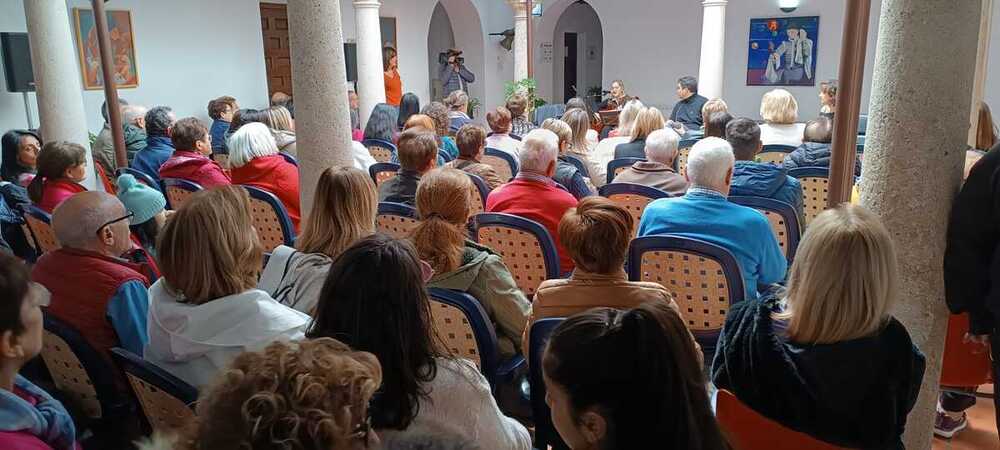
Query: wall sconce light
788,5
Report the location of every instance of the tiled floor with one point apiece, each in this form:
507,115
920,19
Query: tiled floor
981,433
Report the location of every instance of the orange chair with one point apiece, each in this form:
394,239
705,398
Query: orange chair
965,365
746,429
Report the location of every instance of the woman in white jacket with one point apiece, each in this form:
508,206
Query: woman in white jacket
205,309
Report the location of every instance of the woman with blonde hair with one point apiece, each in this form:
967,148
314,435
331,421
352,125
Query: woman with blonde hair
986,137
205,309
282,126
780,112
715,105
460,264
605,150
648,121
343,211
826,357
567,174
581,147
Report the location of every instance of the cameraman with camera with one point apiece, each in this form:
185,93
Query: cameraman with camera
453,74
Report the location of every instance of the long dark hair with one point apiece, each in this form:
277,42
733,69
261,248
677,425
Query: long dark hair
408,106
374,300
53,160
382,122
146,233
11,168
639,369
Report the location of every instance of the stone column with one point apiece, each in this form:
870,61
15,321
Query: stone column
713,47
922,106
521,17
371,81
319,77
57,78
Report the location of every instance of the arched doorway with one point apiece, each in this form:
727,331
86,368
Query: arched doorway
456,23
440,36
577,53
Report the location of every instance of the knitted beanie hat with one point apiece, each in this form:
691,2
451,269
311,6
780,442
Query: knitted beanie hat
144,201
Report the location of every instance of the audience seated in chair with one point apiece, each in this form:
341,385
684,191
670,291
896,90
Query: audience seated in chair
205,309
582,104
417,155
30,419
147,208
192,145
441,239
649,120
134,123
715,105
826,357
279,119
567,174
716,124
533,194
304,395
409,106
93,288
424,121
622,134
816,149
61,169
780,111
658,170
438,113
375,301
705,213
596,233
500,124
19,160
221,111
471,141
759,179
343,211
620,380
102,148
159,148
520,125
382,123
458,104
582,147
253,155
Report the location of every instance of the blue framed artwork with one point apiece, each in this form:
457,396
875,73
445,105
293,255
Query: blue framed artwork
782,51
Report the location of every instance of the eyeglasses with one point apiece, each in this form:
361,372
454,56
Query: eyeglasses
125,217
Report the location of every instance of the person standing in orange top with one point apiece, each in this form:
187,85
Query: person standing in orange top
393,83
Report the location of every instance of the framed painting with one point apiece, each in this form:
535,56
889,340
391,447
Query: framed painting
782,51
120,31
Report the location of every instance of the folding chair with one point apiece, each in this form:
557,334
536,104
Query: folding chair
746,429
774,153
616,166
270,219
382,151
396,219
815,189
683,149
39,225
783,219
538,336
525,246
477,199
382,172
502,162
633,197
178,191
166,401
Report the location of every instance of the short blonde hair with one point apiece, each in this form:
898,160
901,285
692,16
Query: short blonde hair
779,107
279,118
209,248
343,211
626,118
561,130
648,121
844,280
711,107
252,140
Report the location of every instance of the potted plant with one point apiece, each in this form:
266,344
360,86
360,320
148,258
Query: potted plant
526,87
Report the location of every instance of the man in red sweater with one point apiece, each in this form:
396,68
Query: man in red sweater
193,144
533,194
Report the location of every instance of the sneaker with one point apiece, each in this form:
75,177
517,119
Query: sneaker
946,426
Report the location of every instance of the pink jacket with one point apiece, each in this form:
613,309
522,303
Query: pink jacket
57,191
194,167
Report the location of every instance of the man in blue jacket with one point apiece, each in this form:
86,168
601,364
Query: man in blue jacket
158,149
759,179
705,214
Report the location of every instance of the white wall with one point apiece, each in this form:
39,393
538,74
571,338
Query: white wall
439,37
583,20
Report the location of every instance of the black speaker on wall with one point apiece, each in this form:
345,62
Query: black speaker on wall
17,62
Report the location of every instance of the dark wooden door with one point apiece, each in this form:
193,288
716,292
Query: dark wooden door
277,57
569,67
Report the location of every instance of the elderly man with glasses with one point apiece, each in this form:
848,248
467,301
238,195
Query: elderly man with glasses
94,288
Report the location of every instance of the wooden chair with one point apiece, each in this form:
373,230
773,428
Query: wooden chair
704,279
505,165
270,219
178,191
538,336
616,166
783,219
465,329
289,158
683,150
746,429
166,401
525,246
39,225
145,179
477,199
396,219
774,153
382,151
633,197
815,189
382,172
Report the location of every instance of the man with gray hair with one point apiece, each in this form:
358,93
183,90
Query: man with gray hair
93,287
658,169
533,194
159,147
134,121
705,214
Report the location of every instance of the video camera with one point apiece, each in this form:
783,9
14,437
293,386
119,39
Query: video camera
443,58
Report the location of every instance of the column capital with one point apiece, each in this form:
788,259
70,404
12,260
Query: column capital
520,7
367,4
708,3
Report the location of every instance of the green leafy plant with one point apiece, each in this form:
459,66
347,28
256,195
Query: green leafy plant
474,105
526,87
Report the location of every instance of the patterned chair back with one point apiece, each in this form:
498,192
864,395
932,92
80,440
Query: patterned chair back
166,401
396,219
465,329
815,189
633,197
270,219
525,246
783,219
178,191
382,151
39,225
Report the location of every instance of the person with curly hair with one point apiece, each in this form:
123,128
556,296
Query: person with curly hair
438,112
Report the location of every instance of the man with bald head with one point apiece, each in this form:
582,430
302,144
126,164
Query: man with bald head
93,288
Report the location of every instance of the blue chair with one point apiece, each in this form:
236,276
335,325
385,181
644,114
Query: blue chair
289,158
179,191
548,111
139,175
445,156
166,401
396,219
538,336
578,163
39,225
815,189
616,166
270,218
480,190
774,153
382,172
704,279
783,219
683,149
633,197
382,151
525,246
505,165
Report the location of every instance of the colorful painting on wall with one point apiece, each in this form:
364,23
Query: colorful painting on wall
782,51
122,48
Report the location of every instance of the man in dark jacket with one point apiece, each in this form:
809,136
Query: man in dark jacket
159,148
972,273
757,179
687,111
417,155
815,150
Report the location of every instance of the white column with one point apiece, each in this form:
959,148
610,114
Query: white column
521,17
57,78
713,46
319,77
371,81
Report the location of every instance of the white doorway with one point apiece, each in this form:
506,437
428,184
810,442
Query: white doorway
578,53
